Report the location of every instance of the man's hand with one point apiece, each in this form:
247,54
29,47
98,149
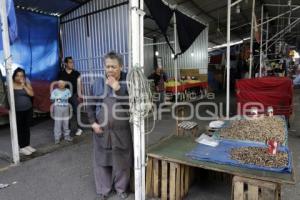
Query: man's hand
113,83
96,128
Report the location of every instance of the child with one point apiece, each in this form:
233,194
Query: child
60,97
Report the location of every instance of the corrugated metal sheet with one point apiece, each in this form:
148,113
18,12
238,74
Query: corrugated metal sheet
92,6
195,57
149,57
89,38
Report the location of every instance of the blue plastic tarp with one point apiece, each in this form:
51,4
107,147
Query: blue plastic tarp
36,48
221,155
12,23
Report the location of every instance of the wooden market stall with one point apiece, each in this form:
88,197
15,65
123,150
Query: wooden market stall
171,170
169,173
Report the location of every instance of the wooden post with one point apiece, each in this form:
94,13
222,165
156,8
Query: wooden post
177,182
172,192
186,179
149,178
164,180
238,190
257,189
252,192
156,178
182,174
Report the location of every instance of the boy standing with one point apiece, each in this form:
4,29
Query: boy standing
60,96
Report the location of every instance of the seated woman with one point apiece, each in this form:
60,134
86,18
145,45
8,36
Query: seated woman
23,102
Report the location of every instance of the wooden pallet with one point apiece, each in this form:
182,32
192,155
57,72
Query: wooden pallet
252,189
167,180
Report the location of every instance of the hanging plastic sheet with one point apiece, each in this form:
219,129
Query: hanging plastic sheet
12,22
188,29
36,49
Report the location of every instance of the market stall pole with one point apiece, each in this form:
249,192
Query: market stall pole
175,57
176,66
228,60
251,38
261,40
267,38
8,67
229,5
136,58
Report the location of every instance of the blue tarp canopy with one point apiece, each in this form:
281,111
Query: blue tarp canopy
35,47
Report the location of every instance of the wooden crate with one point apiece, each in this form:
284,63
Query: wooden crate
191,132
167,180
252,189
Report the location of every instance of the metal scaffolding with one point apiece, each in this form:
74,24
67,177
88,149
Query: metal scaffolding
269,42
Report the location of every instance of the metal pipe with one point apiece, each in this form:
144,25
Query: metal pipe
233,4
137,40
280,37
280,5
240,26
246,24
251,39
261,38
143,146
267,38
274,59
8,67
287,12
175,57
228,59
287,27
157,43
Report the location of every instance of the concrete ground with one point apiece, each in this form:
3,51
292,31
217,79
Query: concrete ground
64,172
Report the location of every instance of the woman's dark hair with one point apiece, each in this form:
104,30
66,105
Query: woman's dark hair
67,59
17,71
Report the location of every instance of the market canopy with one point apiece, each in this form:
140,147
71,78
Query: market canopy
188,29
214,13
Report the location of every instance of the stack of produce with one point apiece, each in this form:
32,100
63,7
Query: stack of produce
259,156
260,129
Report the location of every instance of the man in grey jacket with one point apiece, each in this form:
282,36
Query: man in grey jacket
112,139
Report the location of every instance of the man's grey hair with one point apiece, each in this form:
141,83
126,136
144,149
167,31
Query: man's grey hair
114,55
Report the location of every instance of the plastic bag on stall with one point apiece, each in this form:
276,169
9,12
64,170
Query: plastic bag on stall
206,140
